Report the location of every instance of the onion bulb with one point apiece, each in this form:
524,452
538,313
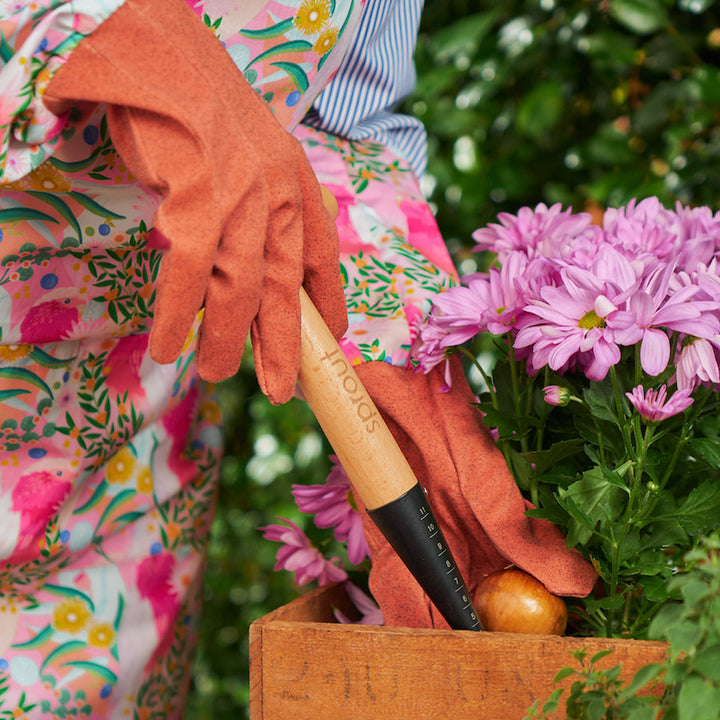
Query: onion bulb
513,601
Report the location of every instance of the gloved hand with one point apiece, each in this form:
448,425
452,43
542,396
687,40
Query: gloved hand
241,210
472,493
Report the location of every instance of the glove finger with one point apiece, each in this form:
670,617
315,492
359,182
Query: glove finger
181,287
233,293
321,254
275,331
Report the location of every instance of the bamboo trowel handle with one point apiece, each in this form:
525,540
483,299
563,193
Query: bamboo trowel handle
352,424
378,470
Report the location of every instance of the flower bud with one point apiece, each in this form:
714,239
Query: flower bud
557,395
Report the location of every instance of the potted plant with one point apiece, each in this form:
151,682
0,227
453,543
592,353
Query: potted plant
596,352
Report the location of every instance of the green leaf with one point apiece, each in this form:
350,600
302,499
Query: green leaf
564,673
695,590
464,36
540,109
645,675
707,663
553,701
600,398
644,712
701,509
684,636
705,80
544,459
708,450
589,499
698,700
600,655
640,16
654,588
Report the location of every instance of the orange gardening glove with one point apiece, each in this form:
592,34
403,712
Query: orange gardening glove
473,495
241,210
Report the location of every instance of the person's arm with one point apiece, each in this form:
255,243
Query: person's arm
242,209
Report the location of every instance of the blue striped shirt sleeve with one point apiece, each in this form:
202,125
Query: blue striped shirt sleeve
375,74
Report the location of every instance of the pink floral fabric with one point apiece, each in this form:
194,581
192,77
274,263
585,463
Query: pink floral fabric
392,256
108,461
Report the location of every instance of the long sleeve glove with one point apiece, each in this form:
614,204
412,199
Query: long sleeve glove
241,209
471,491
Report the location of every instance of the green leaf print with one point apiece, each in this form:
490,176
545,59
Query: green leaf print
96,497
40,639
282,48
295,72
94,669
60,206
94,207
119,499
119,614
64,591
61,650
47,360
269,32
9,215
7,394
18,373
6,52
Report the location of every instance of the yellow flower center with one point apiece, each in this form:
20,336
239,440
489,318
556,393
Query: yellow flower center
591,320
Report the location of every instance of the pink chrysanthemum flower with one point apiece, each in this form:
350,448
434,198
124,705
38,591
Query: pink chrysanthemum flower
695,363
644,227
571,320
652,406
333,507
370,613
298,555
652,311
533,232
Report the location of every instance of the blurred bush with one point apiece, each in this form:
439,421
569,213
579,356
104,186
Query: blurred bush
585,103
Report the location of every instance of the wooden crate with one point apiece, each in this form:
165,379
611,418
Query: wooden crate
305,666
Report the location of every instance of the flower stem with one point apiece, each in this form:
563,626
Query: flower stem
485,376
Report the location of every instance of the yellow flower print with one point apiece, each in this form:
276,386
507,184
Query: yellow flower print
13,353
210,411
325,43
121,466
311,16
50,179
101,635
145,481
71,615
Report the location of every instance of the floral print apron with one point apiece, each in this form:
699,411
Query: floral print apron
109,461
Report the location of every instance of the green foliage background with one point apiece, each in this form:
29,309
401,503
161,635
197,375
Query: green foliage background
588,103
